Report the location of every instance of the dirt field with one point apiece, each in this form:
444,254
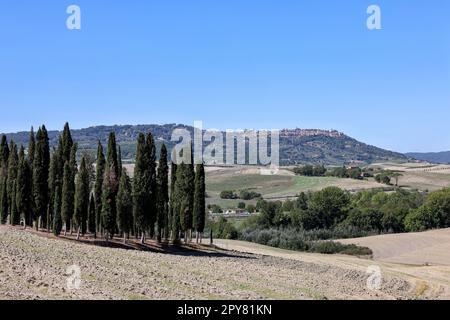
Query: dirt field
423,248
34,266
425,281
421,176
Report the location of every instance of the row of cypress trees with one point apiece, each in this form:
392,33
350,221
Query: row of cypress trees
50,191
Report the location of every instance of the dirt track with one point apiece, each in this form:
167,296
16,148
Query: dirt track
33,266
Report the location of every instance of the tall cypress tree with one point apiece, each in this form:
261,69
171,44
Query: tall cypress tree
73,172
173,222
190,186
23,190
110,188
184,193
199,213
140,188
181,203
124,206
119,161
40,175
152,199
4,155
67,143
81,199
92,216
13,163
14,214
57,220
31,146
67,200
99,176
163,194
31,152
53,183
3,200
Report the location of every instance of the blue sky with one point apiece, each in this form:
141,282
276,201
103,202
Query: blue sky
232,64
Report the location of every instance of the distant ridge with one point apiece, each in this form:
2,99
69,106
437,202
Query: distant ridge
297,146
433,157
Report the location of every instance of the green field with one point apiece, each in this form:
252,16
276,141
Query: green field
272,187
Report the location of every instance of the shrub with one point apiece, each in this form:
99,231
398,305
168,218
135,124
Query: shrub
228,194
248,195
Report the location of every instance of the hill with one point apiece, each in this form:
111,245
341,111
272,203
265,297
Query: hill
433,157
296,145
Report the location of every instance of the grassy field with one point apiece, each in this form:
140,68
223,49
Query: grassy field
273,187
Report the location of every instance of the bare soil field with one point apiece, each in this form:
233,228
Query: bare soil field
421,176
424,281
34,265
421,248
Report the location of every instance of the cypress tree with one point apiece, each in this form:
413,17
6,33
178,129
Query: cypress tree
199,213
190,187
53,183
99,175
181,204
67,200
23,190
163,194
40,175
57,221
14,215
4,155
111,157
31,146
3,200
81,199
13,162
110,188
31,152
119,162
124,206
140,189
92,216
67,143
184,188
173,221
73,172
152,199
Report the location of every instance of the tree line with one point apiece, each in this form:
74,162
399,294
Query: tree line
49,190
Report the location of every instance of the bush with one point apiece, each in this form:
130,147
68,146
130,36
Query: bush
215,208
241,205
223,229
299,240
421,220
248,195
228,194
310,171
331,247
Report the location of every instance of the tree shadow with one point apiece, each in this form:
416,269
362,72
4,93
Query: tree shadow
164,247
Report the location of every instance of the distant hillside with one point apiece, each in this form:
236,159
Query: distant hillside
296,145
433,157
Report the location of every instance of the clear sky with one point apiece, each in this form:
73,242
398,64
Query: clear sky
232,64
